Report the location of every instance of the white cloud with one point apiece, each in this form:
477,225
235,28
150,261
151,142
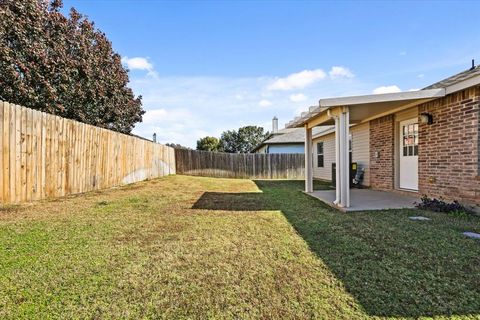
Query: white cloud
160,116
140,63
298,111
403,53
184,109
386,89
298,97
421,75
414,89
137,63
340,72
298,80
265,103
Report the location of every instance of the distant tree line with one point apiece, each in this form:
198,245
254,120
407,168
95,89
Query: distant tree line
242,140
63,66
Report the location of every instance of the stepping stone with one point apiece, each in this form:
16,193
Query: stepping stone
419,218
472,235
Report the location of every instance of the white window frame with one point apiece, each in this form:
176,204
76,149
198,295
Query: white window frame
409,140
321,154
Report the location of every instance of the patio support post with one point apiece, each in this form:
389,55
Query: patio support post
346,155
308,160
338,182
343,167
340,164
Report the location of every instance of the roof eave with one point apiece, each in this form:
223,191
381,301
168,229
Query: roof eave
326,104
467,83
385,97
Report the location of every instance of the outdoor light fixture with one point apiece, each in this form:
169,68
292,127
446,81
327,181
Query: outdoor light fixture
426,118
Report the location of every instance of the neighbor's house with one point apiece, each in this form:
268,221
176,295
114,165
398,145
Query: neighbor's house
420,142
284,141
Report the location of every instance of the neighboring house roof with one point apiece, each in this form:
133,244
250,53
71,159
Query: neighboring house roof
291,136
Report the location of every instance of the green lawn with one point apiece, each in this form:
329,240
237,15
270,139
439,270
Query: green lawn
188,247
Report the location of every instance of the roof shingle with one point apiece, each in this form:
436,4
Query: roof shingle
464,75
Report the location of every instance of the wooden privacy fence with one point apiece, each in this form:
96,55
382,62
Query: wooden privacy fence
238,165
45,156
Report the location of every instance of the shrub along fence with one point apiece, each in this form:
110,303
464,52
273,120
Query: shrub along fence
46,156
240,165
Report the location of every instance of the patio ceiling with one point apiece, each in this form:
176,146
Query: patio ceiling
364,108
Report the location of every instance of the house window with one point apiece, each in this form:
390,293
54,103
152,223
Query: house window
410,140
320,158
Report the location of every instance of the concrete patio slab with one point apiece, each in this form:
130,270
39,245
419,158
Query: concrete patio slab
366,199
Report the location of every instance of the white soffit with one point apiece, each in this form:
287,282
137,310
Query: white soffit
376,98
325,104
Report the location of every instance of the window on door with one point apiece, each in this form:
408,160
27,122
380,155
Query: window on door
320,158
410,140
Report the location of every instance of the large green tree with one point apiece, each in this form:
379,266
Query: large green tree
243,140
208,144
63,65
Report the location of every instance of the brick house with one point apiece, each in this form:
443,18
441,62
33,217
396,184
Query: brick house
420,142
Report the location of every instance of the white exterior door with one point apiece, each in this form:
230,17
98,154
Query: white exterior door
409,154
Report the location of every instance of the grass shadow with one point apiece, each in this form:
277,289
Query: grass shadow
248,201
392,266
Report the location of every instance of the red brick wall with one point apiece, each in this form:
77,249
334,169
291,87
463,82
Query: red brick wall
382,140
448,163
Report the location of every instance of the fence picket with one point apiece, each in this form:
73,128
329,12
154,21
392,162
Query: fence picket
250,166
44,156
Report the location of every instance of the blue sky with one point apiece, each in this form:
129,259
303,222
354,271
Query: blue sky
206,67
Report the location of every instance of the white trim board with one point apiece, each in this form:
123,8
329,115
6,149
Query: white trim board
386,97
